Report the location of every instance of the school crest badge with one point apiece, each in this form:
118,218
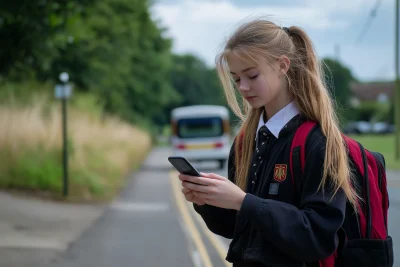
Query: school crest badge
280,172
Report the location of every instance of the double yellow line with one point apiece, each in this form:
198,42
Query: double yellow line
185,210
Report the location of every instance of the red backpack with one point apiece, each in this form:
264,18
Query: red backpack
365,240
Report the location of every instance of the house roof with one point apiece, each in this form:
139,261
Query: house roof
371,91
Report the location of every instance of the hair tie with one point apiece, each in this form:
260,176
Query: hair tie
286,30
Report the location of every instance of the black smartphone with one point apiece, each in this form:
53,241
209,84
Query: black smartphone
183,166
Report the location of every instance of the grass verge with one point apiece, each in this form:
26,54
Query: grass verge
102,151
383,144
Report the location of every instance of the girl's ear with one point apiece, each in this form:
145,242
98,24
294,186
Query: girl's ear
284,64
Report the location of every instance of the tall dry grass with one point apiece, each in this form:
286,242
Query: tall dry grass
102,151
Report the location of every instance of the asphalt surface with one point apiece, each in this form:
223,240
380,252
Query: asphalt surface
151,225
141,228
34,231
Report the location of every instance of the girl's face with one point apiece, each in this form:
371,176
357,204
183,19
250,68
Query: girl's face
262,84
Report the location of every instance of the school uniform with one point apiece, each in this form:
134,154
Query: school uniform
276,227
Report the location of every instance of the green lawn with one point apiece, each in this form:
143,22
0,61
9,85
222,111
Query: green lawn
383,144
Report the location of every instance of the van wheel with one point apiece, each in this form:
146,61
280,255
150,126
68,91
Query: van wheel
221,163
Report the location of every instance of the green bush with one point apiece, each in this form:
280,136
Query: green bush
88,103
35,169
370,111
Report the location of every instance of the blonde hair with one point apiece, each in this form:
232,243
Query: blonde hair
263,39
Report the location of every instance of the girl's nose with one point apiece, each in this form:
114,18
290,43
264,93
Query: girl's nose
243,86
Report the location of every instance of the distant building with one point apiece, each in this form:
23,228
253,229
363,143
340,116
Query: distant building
374,91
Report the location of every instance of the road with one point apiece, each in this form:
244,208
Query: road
150,224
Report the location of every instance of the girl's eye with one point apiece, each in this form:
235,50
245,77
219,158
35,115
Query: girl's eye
238,80
253,77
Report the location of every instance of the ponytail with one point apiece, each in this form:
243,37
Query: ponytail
313,99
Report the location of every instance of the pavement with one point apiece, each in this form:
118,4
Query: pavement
35,231
148,224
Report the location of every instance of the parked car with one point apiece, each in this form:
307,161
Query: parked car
365,127
358,127
382,128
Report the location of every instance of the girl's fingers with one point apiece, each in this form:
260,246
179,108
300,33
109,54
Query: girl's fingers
185,190
195,179
196,187
201,195
212,176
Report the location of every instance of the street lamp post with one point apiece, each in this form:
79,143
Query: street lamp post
63,91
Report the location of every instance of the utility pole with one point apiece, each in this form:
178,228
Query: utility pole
396,101
337,52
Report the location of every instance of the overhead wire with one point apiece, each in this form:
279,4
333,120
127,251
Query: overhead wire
372,15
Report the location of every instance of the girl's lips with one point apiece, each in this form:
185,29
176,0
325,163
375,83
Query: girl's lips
249,97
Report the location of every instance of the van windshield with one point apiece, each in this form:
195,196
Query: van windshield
200,127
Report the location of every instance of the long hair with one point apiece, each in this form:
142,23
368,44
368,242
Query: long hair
263,39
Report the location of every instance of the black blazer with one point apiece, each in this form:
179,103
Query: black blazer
272,228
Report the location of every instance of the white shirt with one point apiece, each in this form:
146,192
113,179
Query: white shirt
279,120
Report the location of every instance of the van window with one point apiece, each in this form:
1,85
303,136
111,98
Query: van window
200,127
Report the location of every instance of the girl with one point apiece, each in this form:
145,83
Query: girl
278,76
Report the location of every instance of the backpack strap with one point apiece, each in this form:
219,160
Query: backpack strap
298,154
297,164
359,158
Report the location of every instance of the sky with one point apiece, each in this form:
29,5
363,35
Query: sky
200,27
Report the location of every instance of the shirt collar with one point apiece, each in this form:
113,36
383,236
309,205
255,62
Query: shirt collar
279,120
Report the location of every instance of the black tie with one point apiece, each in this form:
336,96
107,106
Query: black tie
263,136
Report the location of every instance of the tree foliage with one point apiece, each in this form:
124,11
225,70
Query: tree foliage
110,48
338,78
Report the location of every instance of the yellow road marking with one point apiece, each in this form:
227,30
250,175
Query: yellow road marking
213,239
189,223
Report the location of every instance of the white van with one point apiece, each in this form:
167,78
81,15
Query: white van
201,133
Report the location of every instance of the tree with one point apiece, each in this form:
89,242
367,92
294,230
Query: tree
111,48
338,78
27,33
195,82
119,53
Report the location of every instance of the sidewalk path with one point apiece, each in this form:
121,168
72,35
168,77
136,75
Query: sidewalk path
34,231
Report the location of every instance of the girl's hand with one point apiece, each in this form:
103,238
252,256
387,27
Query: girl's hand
191,197
215,190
